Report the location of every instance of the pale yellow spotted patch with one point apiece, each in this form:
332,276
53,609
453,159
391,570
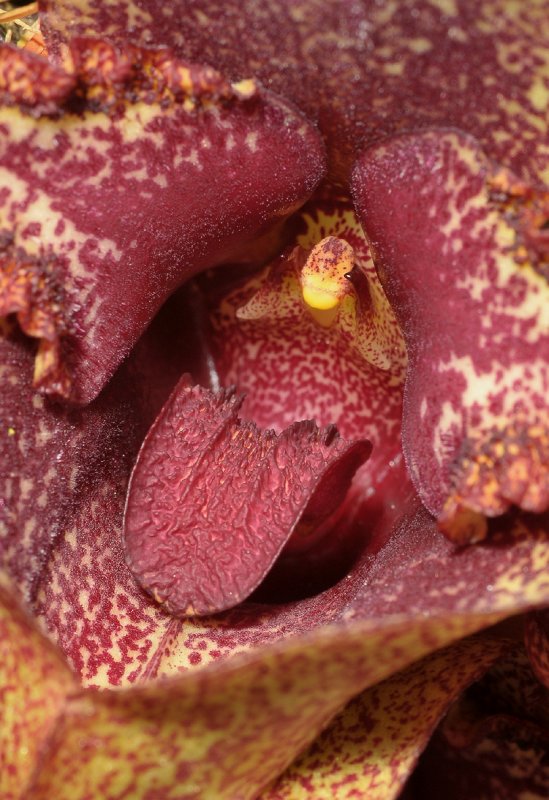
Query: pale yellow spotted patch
313,278
376,759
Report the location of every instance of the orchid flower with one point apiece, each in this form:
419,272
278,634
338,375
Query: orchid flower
275,432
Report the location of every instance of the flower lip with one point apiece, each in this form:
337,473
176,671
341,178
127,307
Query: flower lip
212,500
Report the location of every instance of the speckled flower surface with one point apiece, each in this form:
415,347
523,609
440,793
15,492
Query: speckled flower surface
274,469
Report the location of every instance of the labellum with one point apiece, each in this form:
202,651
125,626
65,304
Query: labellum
193,535
274,424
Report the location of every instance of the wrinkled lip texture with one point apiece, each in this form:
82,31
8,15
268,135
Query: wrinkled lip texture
416,133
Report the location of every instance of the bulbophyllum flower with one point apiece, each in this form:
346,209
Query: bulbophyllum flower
274,363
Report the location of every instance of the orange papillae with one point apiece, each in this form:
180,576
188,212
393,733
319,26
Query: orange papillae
511,467
28,289
108,77
36,44
32,82
526,210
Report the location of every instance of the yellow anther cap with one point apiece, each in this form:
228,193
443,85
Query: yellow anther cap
323,282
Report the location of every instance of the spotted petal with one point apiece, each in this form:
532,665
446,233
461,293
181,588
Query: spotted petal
371,748
362,69
494,736
213,731
121,175
459,247
34,684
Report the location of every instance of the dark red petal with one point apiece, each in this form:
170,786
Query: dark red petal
507,760
213,500
457,254
511,686
150,170
537,644
361,68
51,458
494,741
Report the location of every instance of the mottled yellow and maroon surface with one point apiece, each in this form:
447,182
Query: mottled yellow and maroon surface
357,188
